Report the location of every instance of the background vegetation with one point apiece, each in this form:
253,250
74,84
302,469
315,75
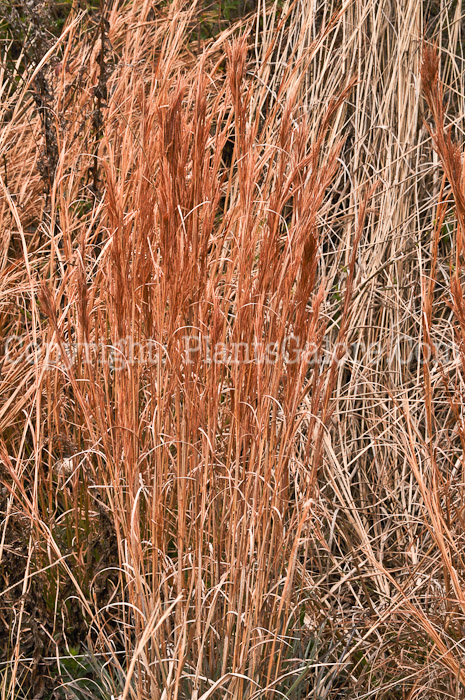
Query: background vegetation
174,530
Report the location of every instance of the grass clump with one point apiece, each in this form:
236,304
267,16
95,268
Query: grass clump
231,433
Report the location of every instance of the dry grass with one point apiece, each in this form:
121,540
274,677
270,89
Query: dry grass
175,527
